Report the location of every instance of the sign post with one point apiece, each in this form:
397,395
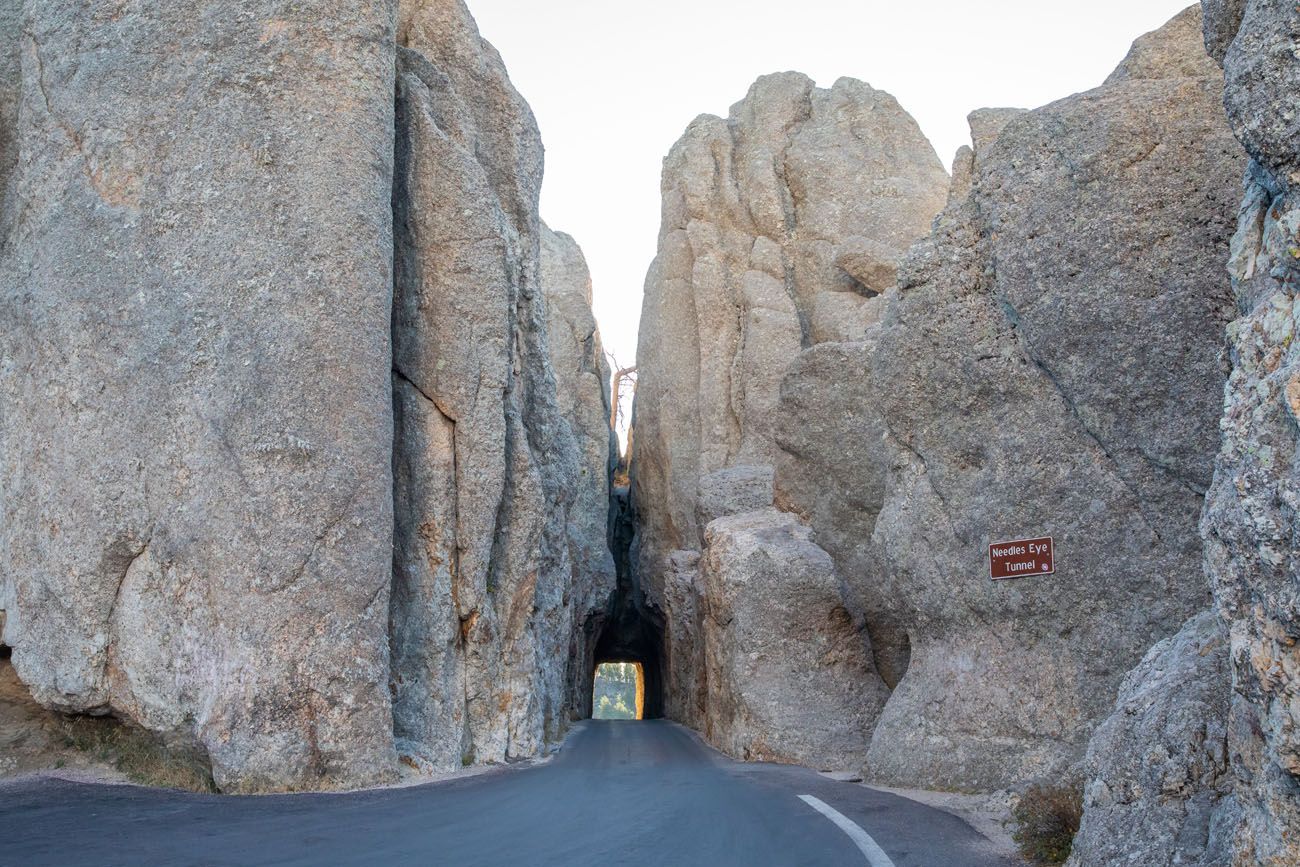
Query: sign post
1021,559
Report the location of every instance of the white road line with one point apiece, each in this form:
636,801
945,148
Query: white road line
876,856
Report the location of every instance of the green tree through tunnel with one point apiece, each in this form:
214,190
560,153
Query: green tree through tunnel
618,691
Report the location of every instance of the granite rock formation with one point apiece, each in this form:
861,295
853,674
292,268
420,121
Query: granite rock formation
1249,524
790,676
501,551
1064,325
195,421
10,79
582,377
1251,528
285,469
1159,788
782,226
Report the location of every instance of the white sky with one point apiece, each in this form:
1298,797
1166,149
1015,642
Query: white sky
615,82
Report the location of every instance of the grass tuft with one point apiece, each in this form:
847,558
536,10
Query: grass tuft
144,757
1047,818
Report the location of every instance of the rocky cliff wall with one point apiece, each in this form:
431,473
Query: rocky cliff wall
285,469
1160,784
10,84
1229,771
1051,367
782,225
196,423
1049,364
582,376
1251,529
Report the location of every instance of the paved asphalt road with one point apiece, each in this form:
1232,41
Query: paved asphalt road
618,793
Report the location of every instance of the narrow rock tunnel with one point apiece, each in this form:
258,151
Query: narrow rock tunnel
631,631
631,635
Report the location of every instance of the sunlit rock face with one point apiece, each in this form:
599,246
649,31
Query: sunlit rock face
500,549
195,420
782,224
288,466
1251,528
1051,367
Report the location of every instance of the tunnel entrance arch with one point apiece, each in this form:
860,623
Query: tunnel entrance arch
632,638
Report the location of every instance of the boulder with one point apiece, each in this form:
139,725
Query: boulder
790,677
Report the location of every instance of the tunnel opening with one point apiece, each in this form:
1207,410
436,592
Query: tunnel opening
618,691
633,638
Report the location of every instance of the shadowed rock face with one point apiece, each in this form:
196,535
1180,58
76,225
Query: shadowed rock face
1052,367
501,553
254,495
582,377
10,83
1251,529
196,424
782,224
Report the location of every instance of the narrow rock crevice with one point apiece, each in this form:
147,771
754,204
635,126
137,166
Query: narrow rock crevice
630,629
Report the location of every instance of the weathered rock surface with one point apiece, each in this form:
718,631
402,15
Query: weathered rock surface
1159,788
1051,366
1064,413
276,480
10,85
195,422
582,378
790,677
1251,528
832,470
492,581
782,224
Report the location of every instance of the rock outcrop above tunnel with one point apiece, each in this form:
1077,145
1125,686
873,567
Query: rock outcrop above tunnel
501,552
782,225
1051,366
260,493
1252,513
1159,784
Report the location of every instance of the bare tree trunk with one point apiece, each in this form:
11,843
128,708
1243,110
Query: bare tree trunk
615,408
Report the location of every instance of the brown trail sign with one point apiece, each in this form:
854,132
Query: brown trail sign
1021,558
